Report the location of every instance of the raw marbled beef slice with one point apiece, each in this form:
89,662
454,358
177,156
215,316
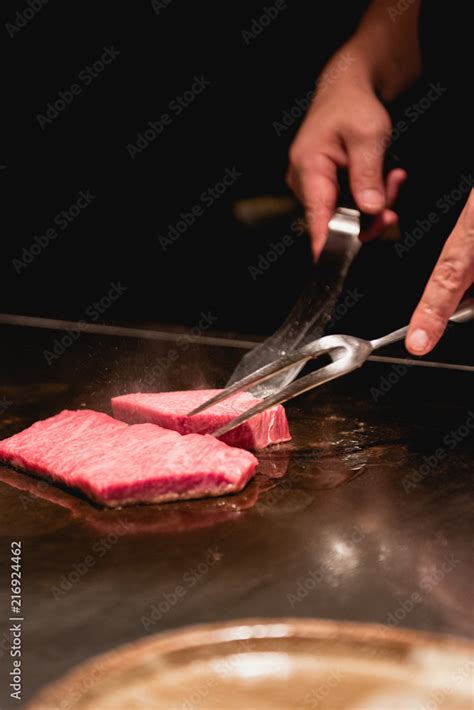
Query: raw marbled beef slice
116,464
170,410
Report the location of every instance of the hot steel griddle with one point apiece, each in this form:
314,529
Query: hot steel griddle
361,517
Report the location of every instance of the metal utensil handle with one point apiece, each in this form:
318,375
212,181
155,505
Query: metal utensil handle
464,313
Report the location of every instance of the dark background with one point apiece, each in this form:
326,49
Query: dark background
116,238
340,432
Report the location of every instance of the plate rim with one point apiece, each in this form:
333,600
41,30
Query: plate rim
189,636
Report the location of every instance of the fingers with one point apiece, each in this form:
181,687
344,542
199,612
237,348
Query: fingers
319,199
366,175
452,275
394,180
315,184
313,177
387,218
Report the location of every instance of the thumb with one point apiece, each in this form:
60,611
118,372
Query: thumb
366,175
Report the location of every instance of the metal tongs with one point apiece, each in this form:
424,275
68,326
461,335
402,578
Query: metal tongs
346,352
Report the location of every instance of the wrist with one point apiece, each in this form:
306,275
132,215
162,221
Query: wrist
348,67
389,52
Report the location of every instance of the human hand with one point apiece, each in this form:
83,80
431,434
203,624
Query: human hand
452,276
346,127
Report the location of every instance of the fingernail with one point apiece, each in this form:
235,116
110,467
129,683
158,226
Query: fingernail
373,199
418,340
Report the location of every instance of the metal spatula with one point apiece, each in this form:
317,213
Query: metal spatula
346,352
311,313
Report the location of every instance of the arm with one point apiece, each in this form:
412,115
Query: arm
388,47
